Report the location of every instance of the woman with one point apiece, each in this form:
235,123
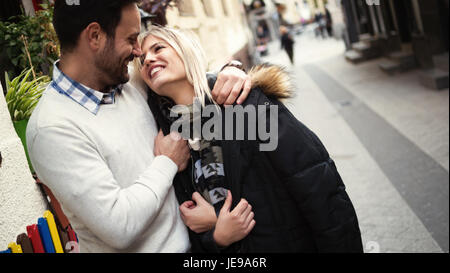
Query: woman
298,200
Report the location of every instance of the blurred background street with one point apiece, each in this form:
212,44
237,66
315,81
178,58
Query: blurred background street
388,135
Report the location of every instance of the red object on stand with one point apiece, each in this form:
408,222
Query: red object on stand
35,237
37,5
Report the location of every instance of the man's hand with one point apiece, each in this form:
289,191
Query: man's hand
229,84
199,216
233,226
174,147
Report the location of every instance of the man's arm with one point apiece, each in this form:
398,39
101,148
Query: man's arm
71,166
230,82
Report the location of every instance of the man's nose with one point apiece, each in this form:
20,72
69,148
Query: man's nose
137,52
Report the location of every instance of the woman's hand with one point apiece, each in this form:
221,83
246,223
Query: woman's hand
199,216
235,225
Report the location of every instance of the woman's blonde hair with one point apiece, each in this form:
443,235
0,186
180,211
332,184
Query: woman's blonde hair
188,48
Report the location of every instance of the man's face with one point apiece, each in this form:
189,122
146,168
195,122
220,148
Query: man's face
113,60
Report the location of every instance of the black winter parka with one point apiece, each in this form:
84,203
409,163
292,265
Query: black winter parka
296,192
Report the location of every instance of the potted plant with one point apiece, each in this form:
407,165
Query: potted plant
22,96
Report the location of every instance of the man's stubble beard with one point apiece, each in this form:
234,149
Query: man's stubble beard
110,66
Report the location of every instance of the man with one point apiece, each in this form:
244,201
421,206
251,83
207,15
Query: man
92,136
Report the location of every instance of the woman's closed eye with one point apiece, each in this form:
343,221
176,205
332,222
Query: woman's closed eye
155,49
158,48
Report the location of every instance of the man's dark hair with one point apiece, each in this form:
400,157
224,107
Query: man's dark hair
71,17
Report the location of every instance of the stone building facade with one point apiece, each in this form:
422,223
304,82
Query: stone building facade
221,26
407,33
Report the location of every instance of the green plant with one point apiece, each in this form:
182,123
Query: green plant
23,94
30,41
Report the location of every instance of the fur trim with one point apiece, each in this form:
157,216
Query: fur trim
273,80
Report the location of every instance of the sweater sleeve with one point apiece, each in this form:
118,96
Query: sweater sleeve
70,165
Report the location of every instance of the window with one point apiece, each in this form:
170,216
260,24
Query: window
186,8
225,7
207,7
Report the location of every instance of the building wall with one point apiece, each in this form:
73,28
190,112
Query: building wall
316,6
304,9
220,25
21,202
291,14
335,8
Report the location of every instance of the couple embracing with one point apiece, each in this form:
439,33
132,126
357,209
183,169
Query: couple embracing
128,183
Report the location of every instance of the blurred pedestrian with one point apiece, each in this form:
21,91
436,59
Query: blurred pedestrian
329,23
262,39
287,42
321,24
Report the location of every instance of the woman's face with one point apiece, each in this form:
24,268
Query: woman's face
161,65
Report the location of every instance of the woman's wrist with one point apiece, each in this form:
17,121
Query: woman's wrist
212,223
219,240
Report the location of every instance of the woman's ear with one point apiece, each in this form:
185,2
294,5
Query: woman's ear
95,36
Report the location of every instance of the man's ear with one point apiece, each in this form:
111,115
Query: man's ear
95,36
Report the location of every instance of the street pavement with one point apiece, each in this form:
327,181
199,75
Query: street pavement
389,137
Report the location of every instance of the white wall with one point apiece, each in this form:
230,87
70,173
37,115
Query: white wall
21,202
334,6
221,35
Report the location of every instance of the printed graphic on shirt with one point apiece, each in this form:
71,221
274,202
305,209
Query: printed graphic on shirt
209,173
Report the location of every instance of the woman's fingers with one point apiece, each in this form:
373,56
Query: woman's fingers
199,199
240,208
188,204
227,204
247,211
249,218
250,226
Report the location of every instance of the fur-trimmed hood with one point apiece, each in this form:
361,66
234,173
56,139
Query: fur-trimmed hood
273,80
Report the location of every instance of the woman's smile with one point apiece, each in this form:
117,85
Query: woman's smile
155,70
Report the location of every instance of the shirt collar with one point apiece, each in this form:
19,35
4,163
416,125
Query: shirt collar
87,97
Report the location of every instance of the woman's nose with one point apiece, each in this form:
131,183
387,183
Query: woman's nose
148,58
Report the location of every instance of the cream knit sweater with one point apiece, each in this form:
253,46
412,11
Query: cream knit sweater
116,194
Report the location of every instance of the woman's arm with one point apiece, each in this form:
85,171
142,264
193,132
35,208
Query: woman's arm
198,214
235,225
222,231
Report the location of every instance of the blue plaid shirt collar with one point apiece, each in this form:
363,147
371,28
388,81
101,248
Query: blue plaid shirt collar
87,97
